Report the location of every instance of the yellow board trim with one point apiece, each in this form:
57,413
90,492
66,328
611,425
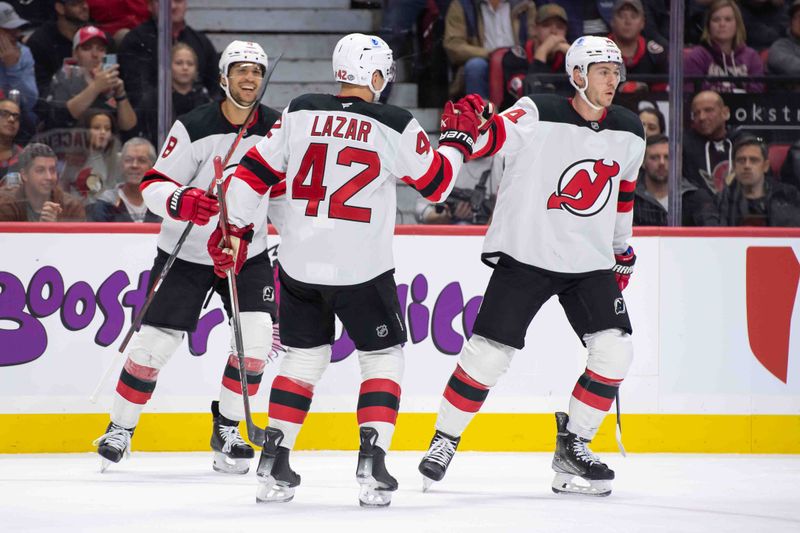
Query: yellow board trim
644,433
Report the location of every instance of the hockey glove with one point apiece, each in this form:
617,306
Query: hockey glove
484,110
192,205
224,261
624,267
459,128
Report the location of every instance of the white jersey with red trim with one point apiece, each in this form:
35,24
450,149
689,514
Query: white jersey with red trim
187,158
565,202
339,159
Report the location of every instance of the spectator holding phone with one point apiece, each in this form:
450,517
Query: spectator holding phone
90,80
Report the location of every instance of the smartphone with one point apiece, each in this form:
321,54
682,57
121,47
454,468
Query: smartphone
109,60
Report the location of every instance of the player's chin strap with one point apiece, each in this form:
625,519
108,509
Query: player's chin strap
226,87
582,92
618,434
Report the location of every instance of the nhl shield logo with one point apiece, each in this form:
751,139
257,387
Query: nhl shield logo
269,294
619,306
585,187
382,330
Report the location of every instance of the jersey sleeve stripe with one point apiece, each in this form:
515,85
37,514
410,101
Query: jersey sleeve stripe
253,163
255,182
446,173
495,140
624,207
627,186
427,179
277,190
154,176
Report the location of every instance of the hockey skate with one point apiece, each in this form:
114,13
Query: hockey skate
113,445
376,483
276,479
231,453
434,465
578,470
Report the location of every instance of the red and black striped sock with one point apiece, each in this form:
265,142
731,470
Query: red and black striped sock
137,382
596,391
289,402
378,404
254,370
465,393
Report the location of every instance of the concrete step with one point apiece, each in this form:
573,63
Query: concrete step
271,4
318,70
293,46
245,20
280,94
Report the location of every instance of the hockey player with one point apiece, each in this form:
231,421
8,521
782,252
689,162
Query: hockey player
561,227
339,159
175,189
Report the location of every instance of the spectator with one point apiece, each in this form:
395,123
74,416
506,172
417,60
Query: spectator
38,197
641,56
138,52
51,44
651,197
723,52
784,54
546,50
656,21
97,169
118,17
587,17
764,20
653,121
753,200
9,127
35,12
187,92
92,85
707,146
475,29
790,171
16,61
124,203
473,202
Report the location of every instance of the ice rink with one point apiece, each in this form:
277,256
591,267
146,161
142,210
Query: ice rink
482,491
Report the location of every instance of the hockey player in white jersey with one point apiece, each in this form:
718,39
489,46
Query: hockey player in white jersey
176,190
561,227
339,158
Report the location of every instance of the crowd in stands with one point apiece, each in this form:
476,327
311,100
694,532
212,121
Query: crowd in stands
79,78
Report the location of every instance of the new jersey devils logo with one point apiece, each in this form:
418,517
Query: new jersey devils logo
584,188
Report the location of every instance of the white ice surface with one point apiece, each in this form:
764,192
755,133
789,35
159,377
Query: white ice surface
482,492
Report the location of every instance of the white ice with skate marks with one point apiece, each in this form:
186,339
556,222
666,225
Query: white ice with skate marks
482,491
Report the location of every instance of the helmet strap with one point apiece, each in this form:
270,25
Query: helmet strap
582,91
226,87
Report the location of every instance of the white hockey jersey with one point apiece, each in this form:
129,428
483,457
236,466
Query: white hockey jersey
339,159
187,158
566,197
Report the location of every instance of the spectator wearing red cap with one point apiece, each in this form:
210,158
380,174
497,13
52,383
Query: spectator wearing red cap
642,56
51,43
90,83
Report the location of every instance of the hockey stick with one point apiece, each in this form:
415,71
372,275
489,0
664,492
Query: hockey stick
137,321
254,433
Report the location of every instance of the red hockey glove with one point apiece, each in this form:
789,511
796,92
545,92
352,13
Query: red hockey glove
192,204
224,261
459,128
483,109
624,267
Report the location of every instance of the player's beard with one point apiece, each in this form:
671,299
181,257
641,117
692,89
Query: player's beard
237,95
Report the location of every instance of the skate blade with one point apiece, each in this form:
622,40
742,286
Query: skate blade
570,484
427,483
372,494
272,491
229,465
104,464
